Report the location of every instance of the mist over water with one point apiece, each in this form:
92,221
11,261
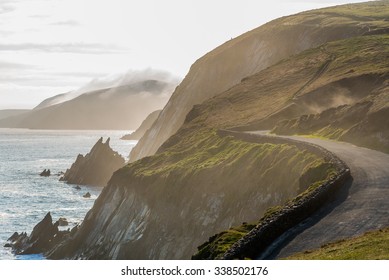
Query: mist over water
26,197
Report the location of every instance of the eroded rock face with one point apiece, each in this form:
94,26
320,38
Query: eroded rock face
96,167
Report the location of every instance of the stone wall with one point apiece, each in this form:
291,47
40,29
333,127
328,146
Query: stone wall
274,225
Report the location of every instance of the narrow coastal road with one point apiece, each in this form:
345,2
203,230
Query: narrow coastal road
362,206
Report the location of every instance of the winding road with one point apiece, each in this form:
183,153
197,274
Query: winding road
362,206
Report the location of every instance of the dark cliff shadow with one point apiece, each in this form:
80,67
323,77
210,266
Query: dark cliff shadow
273,251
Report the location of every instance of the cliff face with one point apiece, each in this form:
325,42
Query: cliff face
96,167
141,130
249,53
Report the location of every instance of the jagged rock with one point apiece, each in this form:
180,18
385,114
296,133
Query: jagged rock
40,239
43,237
77,188
45,173
96,167
62,222
87,195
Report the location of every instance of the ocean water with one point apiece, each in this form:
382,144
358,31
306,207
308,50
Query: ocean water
26,197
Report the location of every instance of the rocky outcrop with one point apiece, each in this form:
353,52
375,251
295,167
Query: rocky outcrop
146,124
45,173
43,237
96,167
87,195
252,52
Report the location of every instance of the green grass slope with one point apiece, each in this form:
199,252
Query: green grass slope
370,246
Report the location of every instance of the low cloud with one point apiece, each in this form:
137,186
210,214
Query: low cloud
130,77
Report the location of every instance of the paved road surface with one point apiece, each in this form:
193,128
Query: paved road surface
362,206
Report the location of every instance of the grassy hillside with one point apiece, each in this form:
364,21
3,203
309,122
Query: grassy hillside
354,69
345,73
359,112
225,66
370,246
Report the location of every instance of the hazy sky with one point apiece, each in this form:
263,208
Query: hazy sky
49,47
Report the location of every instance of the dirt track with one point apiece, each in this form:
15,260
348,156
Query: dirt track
362,206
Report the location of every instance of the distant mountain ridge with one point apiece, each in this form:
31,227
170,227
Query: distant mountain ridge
59,98
122,108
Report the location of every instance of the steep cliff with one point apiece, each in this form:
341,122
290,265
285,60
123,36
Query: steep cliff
96,167
256,50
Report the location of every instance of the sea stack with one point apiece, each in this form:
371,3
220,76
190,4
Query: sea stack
96,167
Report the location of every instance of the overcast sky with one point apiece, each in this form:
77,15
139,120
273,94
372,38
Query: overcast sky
49,47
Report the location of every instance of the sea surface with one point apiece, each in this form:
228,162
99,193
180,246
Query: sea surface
26,197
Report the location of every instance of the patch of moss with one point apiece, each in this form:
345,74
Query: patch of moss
370,246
